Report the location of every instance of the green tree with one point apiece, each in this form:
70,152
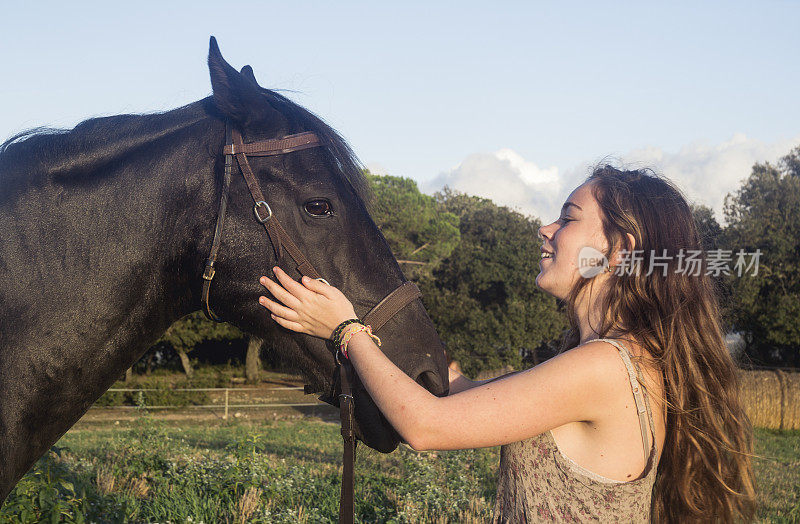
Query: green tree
483,297
710,237
708,227
764,215
418,232
184,334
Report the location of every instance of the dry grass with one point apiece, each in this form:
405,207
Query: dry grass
107,483
105,480
137,487
248,504
771,398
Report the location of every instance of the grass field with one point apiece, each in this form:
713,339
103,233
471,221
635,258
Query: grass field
146,470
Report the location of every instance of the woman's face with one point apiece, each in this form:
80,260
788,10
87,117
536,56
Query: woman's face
574,239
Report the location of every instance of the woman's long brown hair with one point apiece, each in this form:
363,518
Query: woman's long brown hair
705,471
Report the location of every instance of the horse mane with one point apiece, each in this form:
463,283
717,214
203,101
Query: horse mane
36,157
44,152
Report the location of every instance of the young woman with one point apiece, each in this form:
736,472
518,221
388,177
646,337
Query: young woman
638,419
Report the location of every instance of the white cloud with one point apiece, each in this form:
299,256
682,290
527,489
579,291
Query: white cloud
506,178
705,172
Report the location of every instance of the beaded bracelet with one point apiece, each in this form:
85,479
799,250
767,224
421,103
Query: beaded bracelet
350,331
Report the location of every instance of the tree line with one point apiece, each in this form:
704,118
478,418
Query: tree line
476,262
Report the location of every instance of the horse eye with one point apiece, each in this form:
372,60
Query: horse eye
318,208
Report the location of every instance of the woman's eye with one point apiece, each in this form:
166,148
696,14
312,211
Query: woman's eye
318,208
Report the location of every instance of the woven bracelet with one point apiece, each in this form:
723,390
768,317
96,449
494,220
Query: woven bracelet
337,333
349,332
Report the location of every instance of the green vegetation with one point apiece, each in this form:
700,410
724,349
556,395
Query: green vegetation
193,329
475,262
483,298
419,233
777,469
288,471
285,471
764,214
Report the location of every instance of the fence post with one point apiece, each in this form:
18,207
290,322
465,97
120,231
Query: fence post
225,417
782,386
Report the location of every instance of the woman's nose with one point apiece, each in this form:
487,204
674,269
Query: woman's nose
543,232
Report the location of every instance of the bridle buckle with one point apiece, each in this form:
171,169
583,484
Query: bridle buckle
208,273
257,210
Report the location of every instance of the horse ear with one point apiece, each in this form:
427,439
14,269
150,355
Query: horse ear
237,95
247,72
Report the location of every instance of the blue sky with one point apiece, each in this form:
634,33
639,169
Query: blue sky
511,100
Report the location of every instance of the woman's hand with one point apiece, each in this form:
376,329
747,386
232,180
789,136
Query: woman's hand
313,307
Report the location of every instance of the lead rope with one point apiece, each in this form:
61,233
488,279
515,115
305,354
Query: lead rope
278,238
346,416
377,317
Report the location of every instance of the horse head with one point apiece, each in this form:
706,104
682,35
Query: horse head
318,194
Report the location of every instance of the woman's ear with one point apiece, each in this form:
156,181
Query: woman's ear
631,242
628,245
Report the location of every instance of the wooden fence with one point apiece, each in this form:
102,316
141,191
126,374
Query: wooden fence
771,397
225,403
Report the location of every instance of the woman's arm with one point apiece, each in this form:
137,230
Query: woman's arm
459,383
565,389
571,387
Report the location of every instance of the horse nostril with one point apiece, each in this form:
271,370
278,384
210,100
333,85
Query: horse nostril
431,382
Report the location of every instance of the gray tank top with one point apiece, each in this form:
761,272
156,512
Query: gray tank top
537,483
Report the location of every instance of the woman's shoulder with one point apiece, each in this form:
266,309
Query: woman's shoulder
606,357
596,365
611,347
641,358
601,352
642,365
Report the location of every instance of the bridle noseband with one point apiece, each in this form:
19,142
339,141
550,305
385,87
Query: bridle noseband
280,240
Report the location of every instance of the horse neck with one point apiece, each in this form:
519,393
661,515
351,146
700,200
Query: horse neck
97,268
135,215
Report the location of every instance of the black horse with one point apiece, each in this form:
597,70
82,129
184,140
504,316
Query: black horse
105,230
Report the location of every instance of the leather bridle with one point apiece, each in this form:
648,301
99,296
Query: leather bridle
280,240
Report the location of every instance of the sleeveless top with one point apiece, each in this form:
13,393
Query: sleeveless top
538,483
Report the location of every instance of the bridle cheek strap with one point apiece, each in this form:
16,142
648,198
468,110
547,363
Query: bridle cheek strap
277,235
279,239
210,270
